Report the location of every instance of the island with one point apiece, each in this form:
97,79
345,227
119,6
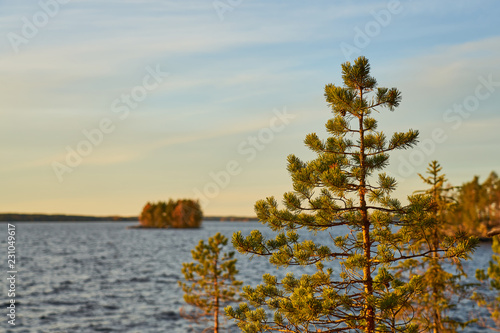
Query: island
183,213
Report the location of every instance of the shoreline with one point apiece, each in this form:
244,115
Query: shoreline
16,217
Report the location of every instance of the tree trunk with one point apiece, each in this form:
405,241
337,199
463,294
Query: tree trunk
216,316
216,310
367,277
436,319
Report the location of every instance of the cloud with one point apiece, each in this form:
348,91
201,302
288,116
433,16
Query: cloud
445,64
442,76
68,64
119,153
225,79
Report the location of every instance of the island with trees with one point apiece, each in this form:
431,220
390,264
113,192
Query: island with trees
183,213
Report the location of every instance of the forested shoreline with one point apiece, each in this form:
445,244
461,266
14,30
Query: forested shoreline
17,217
475,209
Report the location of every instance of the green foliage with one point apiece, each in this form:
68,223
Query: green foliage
210,280
491,278
342,186
440,288
478,208
172,214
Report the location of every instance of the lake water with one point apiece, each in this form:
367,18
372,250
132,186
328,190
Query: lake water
102,277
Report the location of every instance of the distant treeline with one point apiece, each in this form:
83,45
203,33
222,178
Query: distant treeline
231,218
61,218
477,207
11,217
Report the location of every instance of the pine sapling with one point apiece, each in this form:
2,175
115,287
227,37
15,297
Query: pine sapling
210,281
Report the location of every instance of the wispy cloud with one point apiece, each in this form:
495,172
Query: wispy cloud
225,78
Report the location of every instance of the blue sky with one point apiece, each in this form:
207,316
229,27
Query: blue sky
244,87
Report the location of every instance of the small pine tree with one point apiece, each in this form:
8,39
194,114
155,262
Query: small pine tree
337,189
211,282
491,278
441,289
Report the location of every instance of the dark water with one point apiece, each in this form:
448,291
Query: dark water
102,277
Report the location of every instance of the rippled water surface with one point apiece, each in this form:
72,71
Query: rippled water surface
102,277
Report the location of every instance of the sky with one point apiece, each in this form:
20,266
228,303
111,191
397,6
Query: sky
106,105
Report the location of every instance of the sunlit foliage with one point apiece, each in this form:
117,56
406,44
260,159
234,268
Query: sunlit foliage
172,214
441,280
342,186
210,282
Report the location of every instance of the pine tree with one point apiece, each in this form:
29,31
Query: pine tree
211,282
337,189
441,288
